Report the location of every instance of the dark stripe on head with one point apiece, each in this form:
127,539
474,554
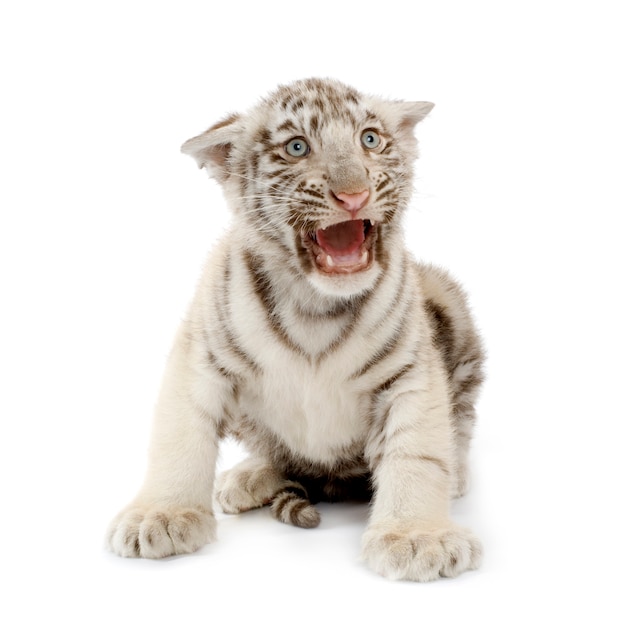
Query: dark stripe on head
264,136
389,193
383,183
287,125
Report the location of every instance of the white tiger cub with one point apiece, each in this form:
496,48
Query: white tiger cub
346,369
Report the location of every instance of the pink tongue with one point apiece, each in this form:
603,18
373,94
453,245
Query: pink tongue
344,238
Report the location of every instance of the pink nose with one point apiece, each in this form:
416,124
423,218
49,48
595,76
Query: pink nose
353,202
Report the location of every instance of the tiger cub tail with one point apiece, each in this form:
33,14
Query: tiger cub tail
291,505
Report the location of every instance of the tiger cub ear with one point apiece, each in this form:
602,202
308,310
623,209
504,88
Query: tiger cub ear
411,113
212,148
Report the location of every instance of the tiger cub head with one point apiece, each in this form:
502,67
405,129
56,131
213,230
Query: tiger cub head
317,175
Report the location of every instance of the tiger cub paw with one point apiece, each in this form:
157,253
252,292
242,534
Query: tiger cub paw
246,486
156,532
402,552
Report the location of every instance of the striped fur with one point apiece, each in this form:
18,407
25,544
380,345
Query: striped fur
347,369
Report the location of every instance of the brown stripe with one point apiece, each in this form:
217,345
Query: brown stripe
435,461
388,148
351,96
314,124
271,237
264,136
338,309
443,332
309,202
356,306
298,220
304,515
262,285
387,384
296,490
254,165
276,159
304,255
371,117
279,173
387,193
468,384
221,303
383,184
215,364
388,348
283,175
279,503
423,458
312,192
286,125
390,213
282,502
395,300
376,459
297,105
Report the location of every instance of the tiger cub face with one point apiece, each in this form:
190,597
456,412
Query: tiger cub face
317,175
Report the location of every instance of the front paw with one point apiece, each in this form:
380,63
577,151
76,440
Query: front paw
155,532
401,551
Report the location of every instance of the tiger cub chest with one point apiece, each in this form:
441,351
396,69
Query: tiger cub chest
316,411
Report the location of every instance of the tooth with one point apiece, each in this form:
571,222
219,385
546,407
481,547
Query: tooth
329,261
364,257
372,222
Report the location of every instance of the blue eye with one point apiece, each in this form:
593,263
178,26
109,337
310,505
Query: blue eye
370,139
297,147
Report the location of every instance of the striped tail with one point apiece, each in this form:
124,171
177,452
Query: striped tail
291,506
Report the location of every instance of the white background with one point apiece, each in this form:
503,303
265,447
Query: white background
105,225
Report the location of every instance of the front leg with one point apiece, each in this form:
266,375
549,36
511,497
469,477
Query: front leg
410,535
172,513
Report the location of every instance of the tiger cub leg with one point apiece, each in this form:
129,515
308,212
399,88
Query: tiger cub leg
254,483
173,513
410,534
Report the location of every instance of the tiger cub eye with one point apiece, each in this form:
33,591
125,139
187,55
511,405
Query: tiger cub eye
370,139
297,147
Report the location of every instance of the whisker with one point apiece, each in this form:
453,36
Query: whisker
254,180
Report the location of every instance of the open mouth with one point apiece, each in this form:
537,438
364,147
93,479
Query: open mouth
343,248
